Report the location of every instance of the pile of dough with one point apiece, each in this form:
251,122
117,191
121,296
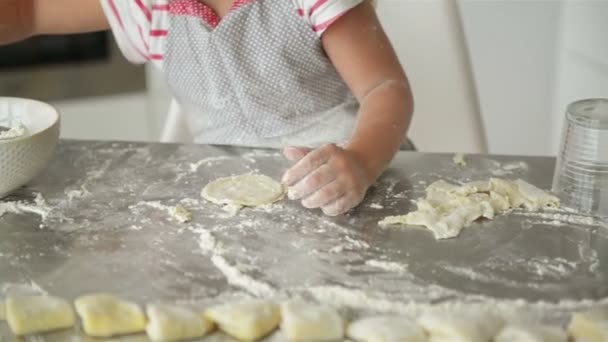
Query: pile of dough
461,326
247,190
171,323
249,320
304,321
448,208
385,329
104,315
36,314
529,333
590,326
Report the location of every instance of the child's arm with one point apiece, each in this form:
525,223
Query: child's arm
20,19
337,179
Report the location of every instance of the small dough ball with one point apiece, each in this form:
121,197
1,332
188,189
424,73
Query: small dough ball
104,315
248,190
36,314
172,323
304,321
248,320
529,333
385,329
460,326
590,326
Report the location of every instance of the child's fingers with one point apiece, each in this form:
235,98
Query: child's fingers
324,196
294,154
314,181
339,206
308,164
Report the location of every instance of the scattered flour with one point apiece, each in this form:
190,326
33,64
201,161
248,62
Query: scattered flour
177,212
71,194
39,207
376,206
251,156
498,169
557,267
209,245
235,277
387,265
336,249
561,218
14,132
210,161
358,244
21,289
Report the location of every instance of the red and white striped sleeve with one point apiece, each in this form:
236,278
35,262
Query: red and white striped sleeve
320,14
140,27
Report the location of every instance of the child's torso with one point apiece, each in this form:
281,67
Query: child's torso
256,77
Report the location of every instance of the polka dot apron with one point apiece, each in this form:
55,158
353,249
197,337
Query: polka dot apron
258,78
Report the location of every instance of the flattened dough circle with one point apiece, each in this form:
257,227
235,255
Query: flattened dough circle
248,190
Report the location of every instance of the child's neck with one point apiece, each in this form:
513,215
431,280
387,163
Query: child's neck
221,7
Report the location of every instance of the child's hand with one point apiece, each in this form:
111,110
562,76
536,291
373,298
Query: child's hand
330,178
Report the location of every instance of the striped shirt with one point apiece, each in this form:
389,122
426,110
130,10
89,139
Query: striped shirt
142,26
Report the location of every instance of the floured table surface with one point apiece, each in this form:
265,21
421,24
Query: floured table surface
99,220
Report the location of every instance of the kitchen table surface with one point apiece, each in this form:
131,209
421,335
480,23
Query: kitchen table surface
99,219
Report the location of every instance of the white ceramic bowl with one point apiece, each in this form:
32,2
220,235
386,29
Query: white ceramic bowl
22,158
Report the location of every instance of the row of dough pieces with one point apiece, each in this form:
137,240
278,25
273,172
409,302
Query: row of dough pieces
104,315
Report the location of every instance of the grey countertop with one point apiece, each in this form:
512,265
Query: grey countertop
101,223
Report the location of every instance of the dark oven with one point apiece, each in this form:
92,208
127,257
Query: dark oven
67,66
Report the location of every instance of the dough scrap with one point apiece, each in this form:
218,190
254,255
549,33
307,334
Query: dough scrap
448,208
459,159
304,321
104,315
461,326
249,190
248,320
590,326
181,214
36,314
172,323
385,329
529,333
535,198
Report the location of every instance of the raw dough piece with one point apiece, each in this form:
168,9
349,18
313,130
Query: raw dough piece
449,208
461,326
590,326
249,320
535,198
248,190
28,315
310,322
459,159
529,333
171,323
386,329
180,213
104,315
